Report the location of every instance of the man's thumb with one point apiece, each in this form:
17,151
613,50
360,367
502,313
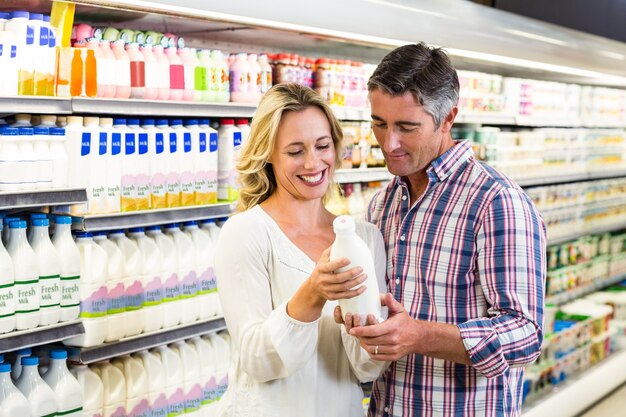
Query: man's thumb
393,306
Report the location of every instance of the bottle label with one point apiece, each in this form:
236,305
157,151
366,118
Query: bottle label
189,285
74,412
13,51
237,140
129,141
50,291
176,403
7,300
173,142
238,81
159,406
140,410
143,143
154,292
187,142
28,296
30,34
193,401
102,148
200,79
85,144
209,392
117,299
159,143
135,296
137,74
119,412
43,36
213,142
116,143
177,77
70,296
158,190
95,305
208,282
171,289
222,387
1,49
202,142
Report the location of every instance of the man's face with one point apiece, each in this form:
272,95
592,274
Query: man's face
407,134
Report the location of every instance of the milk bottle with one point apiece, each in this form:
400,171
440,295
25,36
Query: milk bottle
240,79
58,154
243,125
135,295
191,377
163,70
152,72
24,37
92,390
12,401
211,228
117,319
41,399
174,149
68,392
152,272
114,162
186,272
349,245
49,272
122,70
10,160
30,231
8,294
93,292
254,86
157,163
200,150
43,158
6,231
128,169
27,166
137,398
205,252
103,71
69,268
27,290
110,65
208,88
88,154
156,382
223,76
222,355
186,157
114,386
172,313
16,371
142,166
229,144
97,191
173,368
266,74
210,163
9,63
77,148
208,372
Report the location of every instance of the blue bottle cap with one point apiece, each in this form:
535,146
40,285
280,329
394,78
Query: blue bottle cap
63,220
58,354
29,361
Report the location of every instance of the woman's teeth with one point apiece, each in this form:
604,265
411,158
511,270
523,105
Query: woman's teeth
312,179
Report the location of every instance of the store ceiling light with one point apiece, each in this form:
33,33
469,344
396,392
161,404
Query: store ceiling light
536,37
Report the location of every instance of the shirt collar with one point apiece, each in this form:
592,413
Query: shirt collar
451,160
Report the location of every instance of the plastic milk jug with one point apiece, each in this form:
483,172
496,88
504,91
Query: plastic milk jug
41,399
172,312
186,273
68,392
92,390
229,144
135,296
117,319
114,386
12,401
77,168
208,373
205,252
191,377
173,368
49,272
70,268
8,294
27,289
151,272
212,228
349,245
137,399
58,154
222,355
93,292
156,382
16,371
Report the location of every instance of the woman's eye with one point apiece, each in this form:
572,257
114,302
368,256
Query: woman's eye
322,147
294,153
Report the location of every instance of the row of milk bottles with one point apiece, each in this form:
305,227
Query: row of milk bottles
39,276
32,157
26,393
27,54
145,280
187,377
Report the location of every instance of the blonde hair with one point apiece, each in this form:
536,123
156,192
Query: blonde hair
255,173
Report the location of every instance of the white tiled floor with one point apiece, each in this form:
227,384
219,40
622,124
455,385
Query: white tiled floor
613,405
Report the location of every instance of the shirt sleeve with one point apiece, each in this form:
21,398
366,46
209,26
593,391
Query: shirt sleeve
364,367
511,247
270,343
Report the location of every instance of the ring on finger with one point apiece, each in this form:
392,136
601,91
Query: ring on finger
376,350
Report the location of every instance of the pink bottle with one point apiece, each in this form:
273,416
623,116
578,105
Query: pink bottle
177,74
189,65
137,71
152,70
122,66
101,81
163,80
240,79
110,65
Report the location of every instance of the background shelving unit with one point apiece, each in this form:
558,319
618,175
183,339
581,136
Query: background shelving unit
41,105
38,198
40,335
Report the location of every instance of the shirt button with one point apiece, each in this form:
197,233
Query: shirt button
397,280
403,198
386,409
402,238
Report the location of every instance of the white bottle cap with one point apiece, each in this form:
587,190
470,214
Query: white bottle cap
343,224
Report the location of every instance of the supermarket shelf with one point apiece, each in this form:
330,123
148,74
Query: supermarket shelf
146,341
40,335
535,182
582,391
38,198
352,113
362,175
575,293
151,217
131,107
485,119
34,104
546,122
579,233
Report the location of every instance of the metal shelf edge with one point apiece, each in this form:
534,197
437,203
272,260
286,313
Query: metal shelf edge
597,230
532,182
37,198
146,341
563,298
40,335
35,104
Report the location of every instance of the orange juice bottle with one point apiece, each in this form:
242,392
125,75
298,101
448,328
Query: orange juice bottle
90,76
76,79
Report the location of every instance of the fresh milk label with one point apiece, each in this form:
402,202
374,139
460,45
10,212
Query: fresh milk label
70,296
160,407
50,291
28,295
7,300
153,292
193,401
171,289
95,305
176,403
140,410
189,285
135,296
209,391
117,299
208,282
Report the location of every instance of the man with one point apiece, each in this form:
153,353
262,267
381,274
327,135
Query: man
466,256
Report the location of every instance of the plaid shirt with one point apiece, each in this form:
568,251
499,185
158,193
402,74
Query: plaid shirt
470,252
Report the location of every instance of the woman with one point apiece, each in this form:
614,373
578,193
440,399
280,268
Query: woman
276,283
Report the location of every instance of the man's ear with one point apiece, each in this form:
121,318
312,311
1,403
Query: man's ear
447,123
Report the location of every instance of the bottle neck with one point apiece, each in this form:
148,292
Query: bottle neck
62,230
5,379
18,237
40,233
29,371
